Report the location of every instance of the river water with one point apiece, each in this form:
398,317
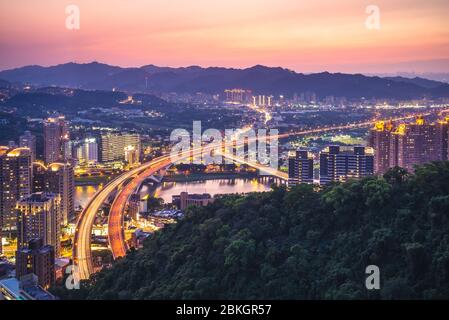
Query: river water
222,186
83,194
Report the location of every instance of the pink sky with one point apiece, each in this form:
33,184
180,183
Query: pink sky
307,36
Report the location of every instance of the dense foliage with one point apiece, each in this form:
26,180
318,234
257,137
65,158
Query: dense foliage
299,244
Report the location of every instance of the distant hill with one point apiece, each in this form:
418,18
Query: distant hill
41,100
259,79
4,84
425,83
70,74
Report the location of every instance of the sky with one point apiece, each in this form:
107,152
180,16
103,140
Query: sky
302,35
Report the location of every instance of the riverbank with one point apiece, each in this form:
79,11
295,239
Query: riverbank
209,176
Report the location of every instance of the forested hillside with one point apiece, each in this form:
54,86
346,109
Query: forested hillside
298,244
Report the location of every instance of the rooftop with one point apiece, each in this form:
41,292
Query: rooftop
38,197
12,288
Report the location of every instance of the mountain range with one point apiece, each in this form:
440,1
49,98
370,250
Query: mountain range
212,80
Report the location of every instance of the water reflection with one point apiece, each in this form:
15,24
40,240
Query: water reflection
222,186
83,194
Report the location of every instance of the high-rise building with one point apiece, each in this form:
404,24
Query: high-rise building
112,146
442,132
39,259
300,167
83,151
131,156
341,163
38,217
15,183
60,180
89,150
38,183
263,101
238,95
57,178
29,141
410,144
56,136
380,138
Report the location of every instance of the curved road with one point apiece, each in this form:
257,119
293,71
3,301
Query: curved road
82,241
116,214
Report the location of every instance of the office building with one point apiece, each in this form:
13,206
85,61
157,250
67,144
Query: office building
27,140
112,146
341,163
39,259
300,167
56,137
15,183
38,217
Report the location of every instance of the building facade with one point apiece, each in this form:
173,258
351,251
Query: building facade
28,140
56,136
15,183
38,217
185,200
38,259
341,163
57,178
112,146
300,167
408,145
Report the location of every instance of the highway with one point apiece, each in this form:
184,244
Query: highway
82,240
82,250
116,214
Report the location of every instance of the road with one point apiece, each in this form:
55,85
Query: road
116,214
81,249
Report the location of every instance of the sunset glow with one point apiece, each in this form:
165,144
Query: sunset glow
307,36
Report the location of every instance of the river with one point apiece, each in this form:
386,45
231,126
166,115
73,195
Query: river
83,194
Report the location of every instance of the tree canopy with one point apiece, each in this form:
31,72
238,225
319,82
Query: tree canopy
303,243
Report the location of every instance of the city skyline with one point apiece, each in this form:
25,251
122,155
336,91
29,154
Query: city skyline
304,37
253,151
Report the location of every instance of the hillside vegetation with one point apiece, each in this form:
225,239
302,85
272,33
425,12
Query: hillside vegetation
298,244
